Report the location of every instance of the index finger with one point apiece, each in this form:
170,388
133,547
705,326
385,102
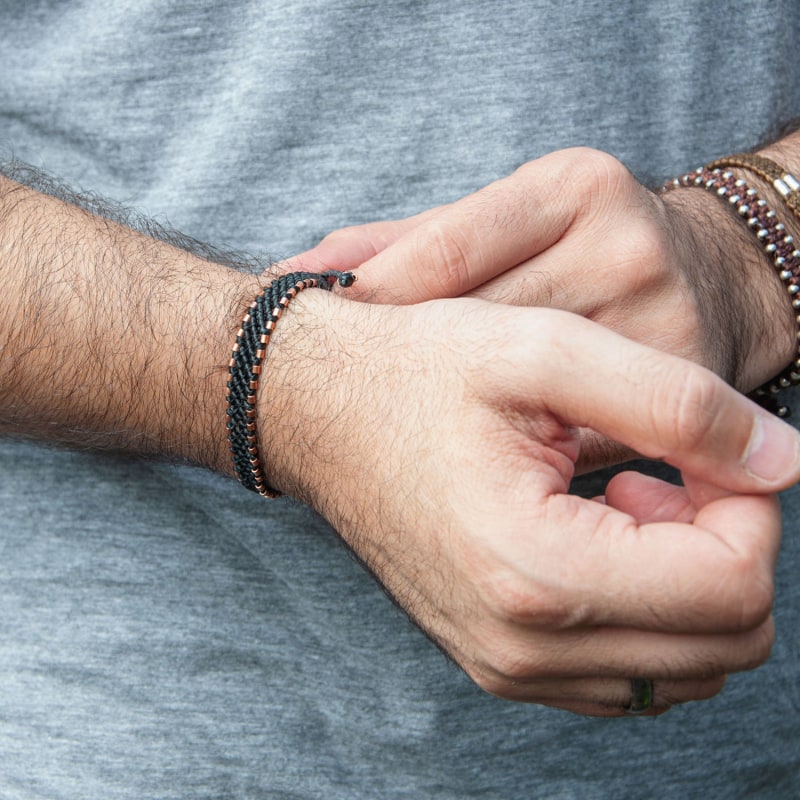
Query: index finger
714,575
481,236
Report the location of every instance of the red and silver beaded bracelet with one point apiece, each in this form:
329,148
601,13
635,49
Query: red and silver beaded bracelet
778,244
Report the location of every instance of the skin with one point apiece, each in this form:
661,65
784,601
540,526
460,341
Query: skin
574,230
439,439
456,498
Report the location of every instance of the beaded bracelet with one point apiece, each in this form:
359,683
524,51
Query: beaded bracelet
777,243
787,186
246,365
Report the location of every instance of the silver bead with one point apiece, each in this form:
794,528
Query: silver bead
785,274
771,248
743,209
794,288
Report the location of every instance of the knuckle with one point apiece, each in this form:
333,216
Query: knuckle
495,684
756,593
508,665
341,235
699,688
446,258
514,601
694,406
598,172
645,246
586,175
760,647
529,174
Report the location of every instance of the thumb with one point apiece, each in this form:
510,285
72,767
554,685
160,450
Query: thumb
660,405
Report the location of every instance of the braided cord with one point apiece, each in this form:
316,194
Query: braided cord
246,364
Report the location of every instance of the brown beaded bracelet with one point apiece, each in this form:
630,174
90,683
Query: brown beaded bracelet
777,243
787,186
246,364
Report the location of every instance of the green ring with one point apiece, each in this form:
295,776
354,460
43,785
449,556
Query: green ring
641,696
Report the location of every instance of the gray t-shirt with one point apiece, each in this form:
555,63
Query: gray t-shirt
166,634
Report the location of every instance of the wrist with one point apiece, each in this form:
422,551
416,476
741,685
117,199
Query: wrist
308,390
748,322
210,311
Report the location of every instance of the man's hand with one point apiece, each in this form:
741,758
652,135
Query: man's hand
439,440
574,230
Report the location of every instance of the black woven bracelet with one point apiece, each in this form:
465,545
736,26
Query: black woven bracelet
246,365
777,243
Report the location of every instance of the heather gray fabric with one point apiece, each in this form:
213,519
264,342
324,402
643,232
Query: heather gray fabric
165,634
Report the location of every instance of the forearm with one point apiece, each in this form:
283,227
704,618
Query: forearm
110,338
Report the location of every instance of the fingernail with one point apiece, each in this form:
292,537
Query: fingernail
773,452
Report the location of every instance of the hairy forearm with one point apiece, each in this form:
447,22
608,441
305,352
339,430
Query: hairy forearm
110,338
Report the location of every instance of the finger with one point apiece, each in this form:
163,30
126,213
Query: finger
712,576
481,236
701,492
602,568
348,248
524,655
648,499
659,405
610,697
619,249
597,451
